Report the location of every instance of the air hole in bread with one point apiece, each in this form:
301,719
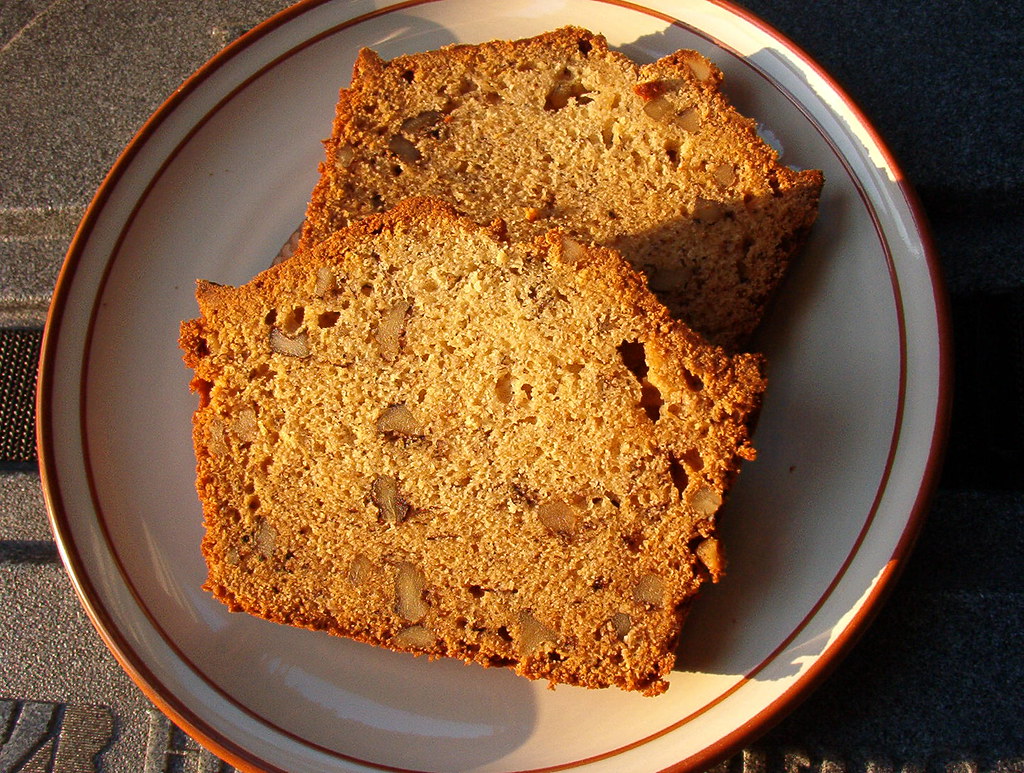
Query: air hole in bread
672,151
261,371
202,387
743,274
608,133
565,91
678,474
693,381
503,388
328,319
651,399
633,541
693,459
291,324
634,357
271,317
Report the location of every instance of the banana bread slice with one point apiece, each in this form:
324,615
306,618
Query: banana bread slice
558,131
420,435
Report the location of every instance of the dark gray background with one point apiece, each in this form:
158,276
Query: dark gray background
936,684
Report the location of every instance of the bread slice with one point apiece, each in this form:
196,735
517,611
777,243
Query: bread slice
557,131
419,435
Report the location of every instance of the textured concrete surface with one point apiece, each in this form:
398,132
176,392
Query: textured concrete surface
80,79
936,684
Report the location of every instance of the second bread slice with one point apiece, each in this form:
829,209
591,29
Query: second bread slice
559,131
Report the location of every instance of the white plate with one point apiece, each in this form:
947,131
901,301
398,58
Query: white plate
817,528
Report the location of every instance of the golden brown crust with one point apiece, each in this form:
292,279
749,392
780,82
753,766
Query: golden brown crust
418,435
558,131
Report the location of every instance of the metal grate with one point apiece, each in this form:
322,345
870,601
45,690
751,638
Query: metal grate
19,358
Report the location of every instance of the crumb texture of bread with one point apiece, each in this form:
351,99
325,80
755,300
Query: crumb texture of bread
559,131
421,435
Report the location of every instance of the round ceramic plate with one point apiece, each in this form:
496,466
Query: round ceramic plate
816,528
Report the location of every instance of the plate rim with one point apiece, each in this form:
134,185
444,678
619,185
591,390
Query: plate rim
133,663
